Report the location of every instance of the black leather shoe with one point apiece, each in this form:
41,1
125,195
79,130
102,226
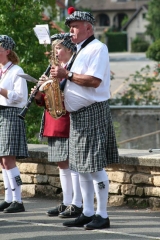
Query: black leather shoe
98,223
79,221
71,211
14,208
56,210
4,205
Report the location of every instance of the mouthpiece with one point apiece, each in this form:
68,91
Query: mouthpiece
68,35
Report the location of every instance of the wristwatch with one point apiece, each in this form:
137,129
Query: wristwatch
70,75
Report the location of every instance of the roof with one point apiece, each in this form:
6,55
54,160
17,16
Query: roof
134,16
108,5
60,3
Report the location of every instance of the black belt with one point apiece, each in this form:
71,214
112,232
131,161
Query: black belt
4,107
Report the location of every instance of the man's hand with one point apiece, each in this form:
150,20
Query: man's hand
58,72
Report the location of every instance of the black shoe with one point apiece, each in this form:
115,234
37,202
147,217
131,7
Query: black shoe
71,211
4,205
98,223
56,210
14,208
79,221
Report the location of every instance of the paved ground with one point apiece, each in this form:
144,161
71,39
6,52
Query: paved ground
35,224
124,64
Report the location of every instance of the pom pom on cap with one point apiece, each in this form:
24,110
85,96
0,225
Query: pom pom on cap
71,10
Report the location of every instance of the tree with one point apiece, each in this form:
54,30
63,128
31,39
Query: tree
17,19
153,17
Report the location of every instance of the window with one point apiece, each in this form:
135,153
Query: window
144,15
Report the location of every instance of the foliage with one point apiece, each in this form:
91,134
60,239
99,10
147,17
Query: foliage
17,19
139,45
141,90
116,41
124,21
153,17
153,51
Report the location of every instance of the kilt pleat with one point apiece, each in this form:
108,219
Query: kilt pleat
92,142
13,140
57,149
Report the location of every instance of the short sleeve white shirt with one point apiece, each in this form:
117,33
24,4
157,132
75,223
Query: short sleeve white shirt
93,60
15,85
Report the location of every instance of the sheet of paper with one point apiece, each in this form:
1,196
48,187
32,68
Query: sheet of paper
42,33
27,77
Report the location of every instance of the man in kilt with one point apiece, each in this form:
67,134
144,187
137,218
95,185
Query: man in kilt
57,132
13,144
92,143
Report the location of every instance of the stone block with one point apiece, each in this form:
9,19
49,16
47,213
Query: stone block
1,178
114,188
156,181
138,202
28,190
54,181
143,169
51,170
152,191
154,202
2,188
140,191
27,178
46,190
120,177
32,168
120,167
113,167
142,178
116,200
40,179
155,171
127,168
128,189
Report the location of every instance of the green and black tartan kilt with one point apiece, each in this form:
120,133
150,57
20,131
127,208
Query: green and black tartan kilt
92,142
12,133
57,149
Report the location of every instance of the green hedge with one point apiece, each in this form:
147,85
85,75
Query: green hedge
116,41
139,45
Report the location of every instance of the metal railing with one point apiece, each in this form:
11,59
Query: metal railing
138,137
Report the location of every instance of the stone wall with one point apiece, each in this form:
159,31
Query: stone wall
134,122
135,180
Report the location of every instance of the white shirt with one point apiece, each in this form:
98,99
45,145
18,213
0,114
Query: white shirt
15,85
92,60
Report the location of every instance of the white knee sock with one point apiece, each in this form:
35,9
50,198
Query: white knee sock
87,190
8,191
66,184
77,196
14,174
101,187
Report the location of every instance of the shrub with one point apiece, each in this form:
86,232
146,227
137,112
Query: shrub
139,45
153,51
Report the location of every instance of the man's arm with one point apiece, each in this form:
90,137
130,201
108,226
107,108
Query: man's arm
79,79
85,80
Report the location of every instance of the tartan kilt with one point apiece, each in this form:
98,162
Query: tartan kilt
92,142
57,149
13,140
